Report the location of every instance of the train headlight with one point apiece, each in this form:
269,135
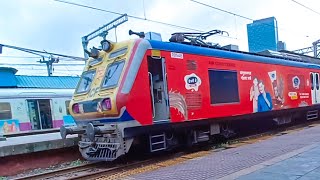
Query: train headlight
106,104
76,108
106,45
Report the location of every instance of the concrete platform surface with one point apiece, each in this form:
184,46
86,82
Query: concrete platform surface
302,166
291,156
35,143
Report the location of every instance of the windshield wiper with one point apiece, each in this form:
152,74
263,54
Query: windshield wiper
109,77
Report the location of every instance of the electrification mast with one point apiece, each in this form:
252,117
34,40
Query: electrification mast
46,57
315,48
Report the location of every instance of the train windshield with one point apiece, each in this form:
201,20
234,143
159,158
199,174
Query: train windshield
86,80
113,74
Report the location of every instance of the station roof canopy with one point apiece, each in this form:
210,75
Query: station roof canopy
55,82
8,79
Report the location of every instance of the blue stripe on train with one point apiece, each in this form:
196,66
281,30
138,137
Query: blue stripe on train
123,118
183,48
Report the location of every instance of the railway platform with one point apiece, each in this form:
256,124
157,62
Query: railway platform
23,143
25,151
295,155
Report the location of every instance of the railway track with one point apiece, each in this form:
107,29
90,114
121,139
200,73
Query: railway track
104,170
59,174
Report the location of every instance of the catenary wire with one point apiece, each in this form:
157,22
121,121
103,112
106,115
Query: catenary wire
306,7
131,16
136,17
40,53
23,57
29,64
244,17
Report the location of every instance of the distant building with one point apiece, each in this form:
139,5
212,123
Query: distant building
263,35
281,46
231,47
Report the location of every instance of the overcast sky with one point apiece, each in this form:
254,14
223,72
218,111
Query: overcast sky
57,27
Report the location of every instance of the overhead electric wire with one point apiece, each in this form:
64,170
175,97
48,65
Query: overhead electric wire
40,53
173,25
222,10
228,12
131,16
140,18
25,50
306,7
244,17
30,57
28,64
43,55
23,57
38,69
136,17
41,74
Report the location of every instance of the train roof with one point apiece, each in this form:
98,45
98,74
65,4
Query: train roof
9,79
35,93
230,54
54,82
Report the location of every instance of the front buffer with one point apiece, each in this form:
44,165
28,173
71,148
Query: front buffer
100,142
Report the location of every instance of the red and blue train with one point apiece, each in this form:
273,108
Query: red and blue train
163,94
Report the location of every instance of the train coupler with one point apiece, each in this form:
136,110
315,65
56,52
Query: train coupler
64,131
92,130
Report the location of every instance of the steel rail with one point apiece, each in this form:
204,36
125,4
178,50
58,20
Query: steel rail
102,171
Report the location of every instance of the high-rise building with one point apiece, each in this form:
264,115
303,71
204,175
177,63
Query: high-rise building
281,46
263,35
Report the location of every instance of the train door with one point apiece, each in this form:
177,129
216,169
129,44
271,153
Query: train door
40,114
315,90
158,89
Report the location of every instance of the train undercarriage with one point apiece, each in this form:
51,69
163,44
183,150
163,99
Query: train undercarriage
109,141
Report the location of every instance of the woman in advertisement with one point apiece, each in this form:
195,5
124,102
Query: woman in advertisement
254,93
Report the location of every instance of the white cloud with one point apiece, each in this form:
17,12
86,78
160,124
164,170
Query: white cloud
58,27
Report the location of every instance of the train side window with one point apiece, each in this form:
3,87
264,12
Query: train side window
5,111
67,106
223,86
311,81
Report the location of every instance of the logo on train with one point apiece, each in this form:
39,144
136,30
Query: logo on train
192,82
296,82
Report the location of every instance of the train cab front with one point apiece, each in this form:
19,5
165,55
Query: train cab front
98,107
